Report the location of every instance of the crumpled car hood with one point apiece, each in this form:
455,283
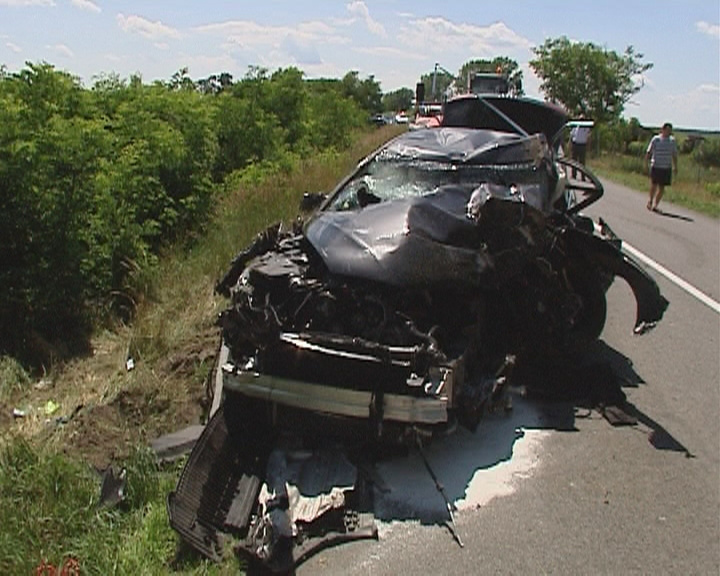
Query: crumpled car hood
403,243
430,239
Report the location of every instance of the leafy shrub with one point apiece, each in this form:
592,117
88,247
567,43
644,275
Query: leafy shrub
95,183
607,139
12,376
92,187
636,149
621,136
713,188
707,154
246,133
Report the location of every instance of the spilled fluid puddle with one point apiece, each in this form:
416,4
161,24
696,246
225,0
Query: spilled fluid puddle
472,468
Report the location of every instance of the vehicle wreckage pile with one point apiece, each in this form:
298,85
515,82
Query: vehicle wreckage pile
395,311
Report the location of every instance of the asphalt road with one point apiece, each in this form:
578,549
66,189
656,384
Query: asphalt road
589,498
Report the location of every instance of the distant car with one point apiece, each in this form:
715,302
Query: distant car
379,120
402,118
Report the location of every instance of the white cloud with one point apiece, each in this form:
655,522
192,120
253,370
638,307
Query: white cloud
61,50
709,29
146,28
303,53
203,66
703,96
694,108
472,40
713,89
86,5
392,53
252,34
14,47
359,8
276,46
114,57
27,3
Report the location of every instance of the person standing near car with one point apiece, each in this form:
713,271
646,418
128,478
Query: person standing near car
661,155
579,136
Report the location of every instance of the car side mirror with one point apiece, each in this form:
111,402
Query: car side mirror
311,200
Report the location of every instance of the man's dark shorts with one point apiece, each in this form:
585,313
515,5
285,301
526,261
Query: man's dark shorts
662,176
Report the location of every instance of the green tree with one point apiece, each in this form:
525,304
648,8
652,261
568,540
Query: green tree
92,184
366,93
587,79
332,119
246,133
400,99
286,98
259,118
181,80
215,83
95,183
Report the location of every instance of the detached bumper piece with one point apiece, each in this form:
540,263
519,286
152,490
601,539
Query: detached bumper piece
217,490
278,505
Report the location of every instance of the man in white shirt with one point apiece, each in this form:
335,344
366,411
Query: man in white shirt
661,154
579,136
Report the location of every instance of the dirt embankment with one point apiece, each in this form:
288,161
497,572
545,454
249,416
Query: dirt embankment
98,410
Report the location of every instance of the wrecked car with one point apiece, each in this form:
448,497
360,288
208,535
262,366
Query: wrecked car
395,311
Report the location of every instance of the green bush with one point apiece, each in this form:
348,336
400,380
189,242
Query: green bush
707,154
622,136
94,184
713,188
636,149
12,376
91,188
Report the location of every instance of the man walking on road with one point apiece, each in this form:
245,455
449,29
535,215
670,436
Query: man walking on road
662,156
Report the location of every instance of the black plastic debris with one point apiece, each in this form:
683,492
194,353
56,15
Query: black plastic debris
112,488
172,446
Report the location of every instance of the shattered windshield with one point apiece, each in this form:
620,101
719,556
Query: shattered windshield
391,177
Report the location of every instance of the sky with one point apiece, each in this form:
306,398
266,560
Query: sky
394,41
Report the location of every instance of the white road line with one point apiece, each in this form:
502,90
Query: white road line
689,288
674,278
